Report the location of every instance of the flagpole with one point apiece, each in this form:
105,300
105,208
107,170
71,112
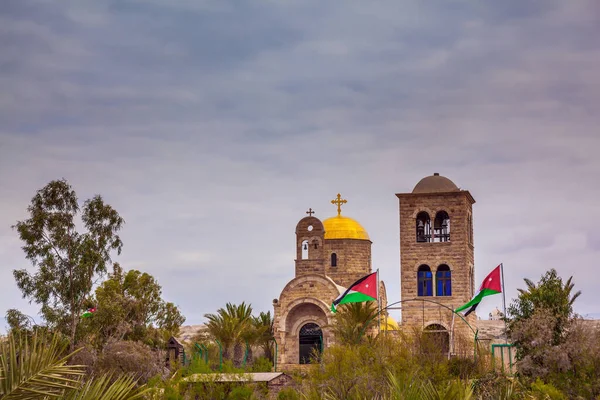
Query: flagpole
378,302
504,302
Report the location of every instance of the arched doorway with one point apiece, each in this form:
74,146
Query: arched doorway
310,340
437,339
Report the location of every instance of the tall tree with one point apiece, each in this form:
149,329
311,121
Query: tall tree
130,306
68,261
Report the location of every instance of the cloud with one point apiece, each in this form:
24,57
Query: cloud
211,128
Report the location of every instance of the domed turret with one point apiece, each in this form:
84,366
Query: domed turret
435,184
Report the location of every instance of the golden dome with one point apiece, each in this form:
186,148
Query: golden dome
340,227
391,325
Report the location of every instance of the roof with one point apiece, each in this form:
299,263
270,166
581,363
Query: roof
241,377
435,184
341,227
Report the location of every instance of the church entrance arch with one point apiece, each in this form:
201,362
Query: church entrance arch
310,341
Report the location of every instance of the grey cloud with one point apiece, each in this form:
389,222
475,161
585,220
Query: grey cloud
212,128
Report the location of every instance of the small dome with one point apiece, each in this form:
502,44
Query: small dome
340,227
391,325
435,184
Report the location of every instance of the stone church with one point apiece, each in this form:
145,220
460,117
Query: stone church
436,269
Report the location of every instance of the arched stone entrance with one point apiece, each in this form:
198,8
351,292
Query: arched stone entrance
310,339
437,338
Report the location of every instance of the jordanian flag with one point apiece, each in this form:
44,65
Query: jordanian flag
364,289
88,313
492,284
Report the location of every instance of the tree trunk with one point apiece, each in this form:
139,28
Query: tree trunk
73,330
238,354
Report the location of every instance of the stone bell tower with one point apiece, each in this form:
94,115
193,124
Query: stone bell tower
436,253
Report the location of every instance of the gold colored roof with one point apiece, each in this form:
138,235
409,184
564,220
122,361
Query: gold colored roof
340,227
392,325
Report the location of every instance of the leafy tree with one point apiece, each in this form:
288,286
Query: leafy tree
353,321
549,296
68,261
129,306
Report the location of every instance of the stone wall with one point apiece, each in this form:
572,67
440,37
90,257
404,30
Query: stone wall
353,260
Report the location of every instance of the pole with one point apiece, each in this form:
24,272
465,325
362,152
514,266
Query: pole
378,302
504,302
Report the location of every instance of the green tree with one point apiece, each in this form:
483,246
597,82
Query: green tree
129,306
353,320
68,261
264,326
229,326
550,296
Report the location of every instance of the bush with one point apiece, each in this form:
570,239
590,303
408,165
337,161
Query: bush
546,391
288,394
131,358
262,364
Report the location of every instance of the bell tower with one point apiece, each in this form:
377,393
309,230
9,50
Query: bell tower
436,253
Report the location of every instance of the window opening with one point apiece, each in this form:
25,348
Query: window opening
443,279
424,281
441,227
333,260
304,249
423,227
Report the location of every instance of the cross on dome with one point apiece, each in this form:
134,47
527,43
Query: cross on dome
310,212
339,201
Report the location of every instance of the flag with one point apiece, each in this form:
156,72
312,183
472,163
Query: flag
492,284
364,289
88,313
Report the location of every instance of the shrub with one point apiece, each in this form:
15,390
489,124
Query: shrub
262,364
132,358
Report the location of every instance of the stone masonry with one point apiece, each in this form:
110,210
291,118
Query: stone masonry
457,254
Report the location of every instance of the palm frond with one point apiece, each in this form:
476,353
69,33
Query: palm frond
34,369
102,388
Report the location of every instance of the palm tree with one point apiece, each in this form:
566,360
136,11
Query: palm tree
353,320
264,327
229,326
36,368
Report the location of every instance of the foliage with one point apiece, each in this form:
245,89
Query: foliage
263,325
132,359
105,388
230,326
262,364
546,391
550,294
553,345
35,367
68,262
130,307
353,320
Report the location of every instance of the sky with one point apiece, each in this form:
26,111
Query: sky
212,126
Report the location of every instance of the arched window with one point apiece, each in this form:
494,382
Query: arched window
304,249
333,260
424,281
443,281
441,227
423,227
